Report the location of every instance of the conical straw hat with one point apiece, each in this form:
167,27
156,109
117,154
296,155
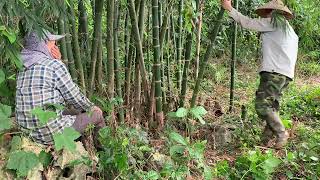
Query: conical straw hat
274,5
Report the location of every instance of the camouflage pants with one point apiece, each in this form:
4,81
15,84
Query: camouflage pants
267,102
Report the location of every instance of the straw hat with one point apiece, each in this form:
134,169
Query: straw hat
274,5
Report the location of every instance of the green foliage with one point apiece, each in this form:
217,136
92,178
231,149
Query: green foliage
66,139
197,112
22,162
302,103
2,76
45,158
5,113
182,153
253,164
309,68
43,116
123,148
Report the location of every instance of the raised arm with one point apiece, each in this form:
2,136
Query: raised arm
261,24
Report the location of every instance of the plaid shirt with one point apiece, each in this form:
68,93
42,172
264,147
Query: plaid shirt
46,82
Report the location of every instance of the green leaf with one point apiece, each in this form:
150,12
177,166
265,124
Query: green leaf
270,164
5,111
178,138
182,112
22,161
145,148
43,116
152,175
5,123
45,158
2,76
121,161
198,112
313,158
15,144
66,139
287,123
177,149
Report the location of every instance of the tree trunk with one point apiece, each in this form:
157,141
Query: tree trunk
206,57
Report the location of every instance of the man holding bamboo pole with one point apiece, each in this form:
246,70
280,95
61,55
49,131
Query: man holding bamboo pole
279,51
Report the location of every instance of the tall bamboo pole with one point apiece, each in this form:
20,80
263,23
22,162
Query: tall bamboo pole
71,64
84,37
200,5
138,42
117,60
76,48
110,54
95,42
206,57
137,97
186,68
157,65
179,45
63,45
233,61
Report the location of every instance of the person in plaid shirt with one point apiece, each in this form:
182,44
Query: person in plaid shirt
45,80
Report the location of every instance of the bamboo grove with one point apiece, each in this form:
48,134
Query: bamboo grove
139,59
135,58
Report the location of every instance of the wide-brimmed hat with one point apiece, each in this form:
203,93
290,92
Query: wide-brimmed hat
265,9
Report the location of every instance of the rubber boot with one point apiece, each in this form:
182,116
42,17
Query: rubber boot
278,128
267,135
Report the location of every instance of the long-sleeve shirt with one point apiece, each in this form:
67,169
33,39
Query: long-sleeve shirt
279,47
46,82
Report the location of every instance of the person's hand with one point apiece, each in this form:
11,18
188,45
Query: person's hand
97,109
226,4
55,52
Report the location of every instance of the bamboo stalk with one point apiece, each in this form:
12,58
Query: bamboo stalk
71,64
157,65
95,42
233,61
206,57
179,46
76,48
117,60
84,37
138,42
63,45
186,68
200,5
